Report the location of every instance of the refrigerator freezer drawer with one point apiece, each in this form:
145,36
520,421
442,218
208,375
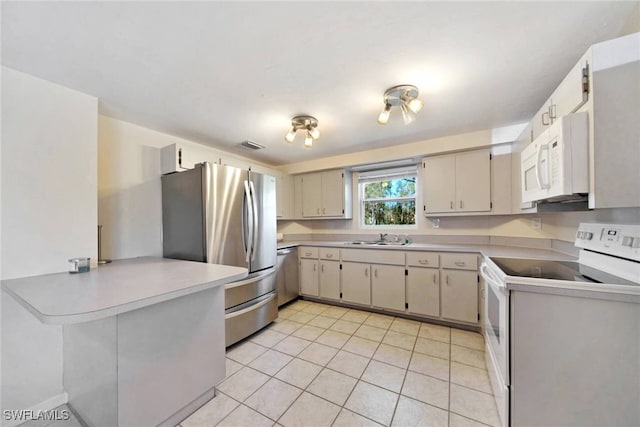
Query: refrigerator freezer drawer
237,293
250,318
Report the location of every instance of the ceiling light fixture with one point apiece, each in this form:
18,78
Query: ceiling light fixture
405,97
309,124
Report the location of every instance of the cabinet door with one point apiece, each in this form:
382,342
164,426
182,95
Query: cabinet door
355,279
312,195
439,182
309,277
568,96
333,193
423,291
541,120
387,287
460,295
330,279
284,196
297,197
473,181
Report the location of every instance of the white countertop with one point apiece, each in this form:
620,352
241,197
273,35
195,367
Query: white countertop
485,250
558,287
115,288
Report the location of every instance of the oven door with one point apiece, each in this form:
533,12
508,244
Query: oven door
497,320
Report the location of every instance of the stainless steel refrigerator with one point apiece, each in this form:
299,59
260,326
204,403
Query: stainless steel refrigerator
225,215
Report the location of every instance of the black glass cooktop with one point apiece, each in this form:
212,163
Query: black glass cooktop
557,270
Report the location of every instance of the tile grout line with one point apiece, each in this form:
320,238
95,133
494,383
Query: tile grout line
370,359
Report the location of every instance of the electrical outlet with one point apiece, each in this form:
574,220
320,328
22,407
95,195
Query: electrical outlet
536,223
435,222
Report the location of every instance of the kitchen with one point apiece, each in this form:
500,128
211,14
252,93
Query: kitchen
107,135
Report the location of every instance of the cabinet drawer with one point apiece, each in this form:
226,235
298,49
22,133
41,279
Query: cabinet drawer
308,252
373,256
330,253
423,259
460,261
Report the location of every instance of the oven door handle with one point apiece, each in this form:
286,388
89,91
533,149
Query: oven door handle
489,278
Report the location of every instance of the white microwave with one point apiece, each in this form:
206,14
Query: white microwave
555,166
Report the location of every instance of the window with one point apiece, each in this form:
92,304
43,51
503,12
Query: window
388,197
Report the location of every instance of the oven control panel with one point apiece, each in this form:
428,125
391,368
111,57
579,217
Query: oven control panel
622,240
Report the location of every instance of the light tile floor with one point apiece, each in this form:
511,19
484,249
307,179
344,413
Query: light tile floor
320,365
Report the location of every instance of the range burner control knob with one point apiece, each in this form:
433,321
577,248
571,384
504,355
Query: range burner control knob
636,242
627,241
588,235
580,235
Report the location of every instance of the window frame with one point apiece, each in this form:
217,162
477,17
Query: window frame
386,175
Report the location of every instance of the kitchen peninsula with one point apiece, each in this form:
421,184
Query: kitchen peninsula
143,337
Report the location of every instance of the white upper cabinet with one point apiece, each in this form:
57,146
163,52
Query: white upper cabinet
569,96
326,194
456,183
285,196
439,183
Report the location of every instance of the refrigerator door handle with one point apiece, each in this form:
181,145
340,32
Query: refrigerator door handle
256,222
247,220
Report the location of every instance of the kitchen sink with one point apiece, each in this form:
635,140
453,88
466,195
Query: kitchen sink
375,243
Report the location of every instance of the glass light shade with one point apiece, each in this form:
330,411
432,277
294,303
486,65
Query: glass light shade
290,136
383,118
407,115
415,105
308,141
315,133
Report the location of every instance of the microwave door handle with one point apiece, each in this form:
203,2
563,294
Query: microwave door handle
541,184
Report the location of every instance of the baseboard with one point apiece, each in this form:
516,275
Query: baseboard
46,405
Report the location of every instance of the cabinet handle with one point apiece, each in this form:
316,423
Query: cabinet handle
435,278
322,268
318,211
314,267
545,122
366,272
451,204
460,263
552,111
307,254
375,273
461,205
447,280
324,211
329,255
423,261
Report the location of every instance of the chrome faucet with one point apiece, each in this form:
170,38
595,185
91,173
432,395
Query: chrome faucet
383,237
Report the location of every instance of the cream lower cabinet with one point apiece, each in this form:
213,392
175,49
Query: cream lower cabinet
459,289
309,271
423,283
355,278
460,295
330,279
387,287
309,277
423,291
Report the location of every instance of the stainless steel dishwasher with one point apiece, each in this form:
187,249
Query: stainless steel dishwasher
287,275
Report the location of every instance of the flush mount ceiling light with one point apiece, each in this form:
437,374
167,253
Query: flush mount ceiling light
405,97
307,123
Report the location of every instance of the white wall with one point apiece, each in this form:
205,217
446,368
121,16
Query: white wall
129,197
49,212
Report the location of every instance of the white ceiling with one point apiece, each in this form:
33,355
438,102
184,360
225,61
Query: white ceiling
219,73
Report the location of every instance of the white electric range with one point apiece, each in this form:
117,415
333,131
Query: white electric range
543,314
